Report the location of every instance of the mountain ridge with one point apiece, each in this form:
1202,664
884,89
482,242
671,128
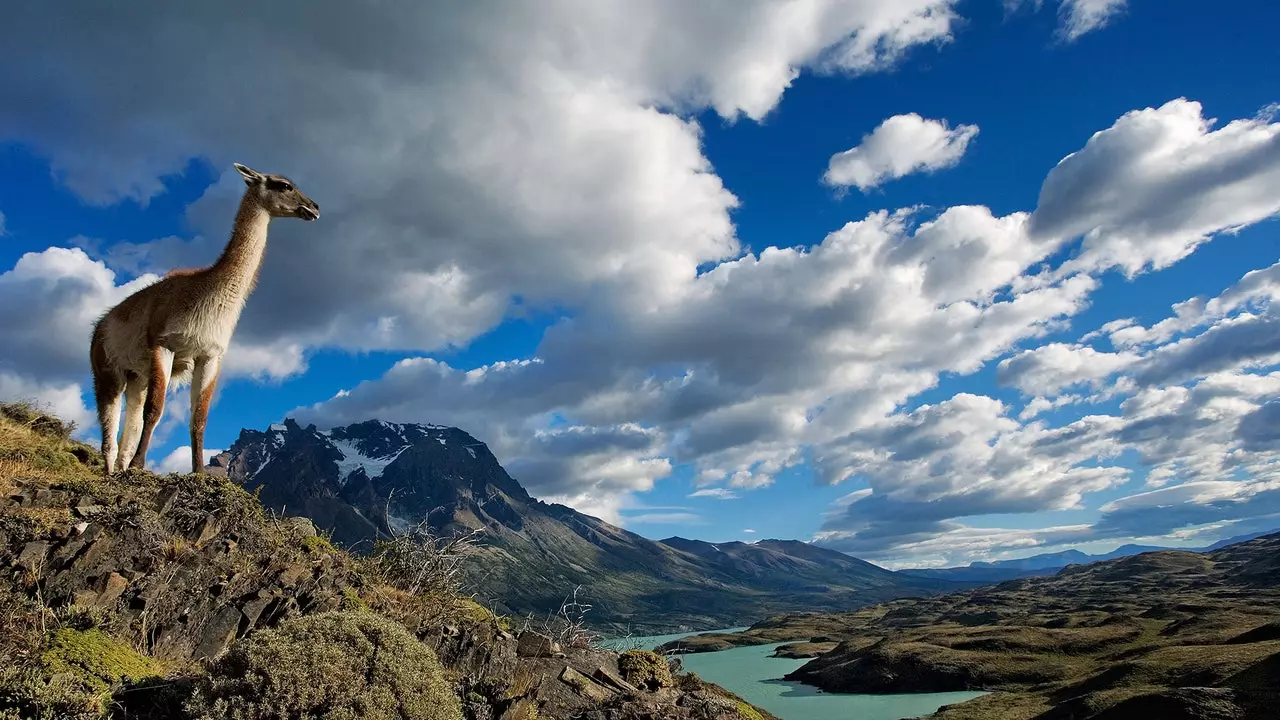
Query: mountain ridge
1050,563
364,481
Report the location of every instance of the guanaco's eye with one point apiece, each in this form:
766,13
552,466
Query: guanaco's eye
279,185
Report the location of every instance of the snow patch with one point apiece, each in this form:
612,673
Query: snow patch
261,465
442,441
472,452
277,427
353,459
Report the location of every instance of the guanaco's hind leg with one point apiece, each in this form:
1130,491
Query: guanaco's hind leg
107,388
204,376
157,386
135,396
108,384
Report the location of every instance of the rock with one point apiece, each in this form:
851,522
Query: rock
80,527
535,644
33,555
610,679
302,526
253,608
585,686
86,507
206,531
112,588
218,633
164,501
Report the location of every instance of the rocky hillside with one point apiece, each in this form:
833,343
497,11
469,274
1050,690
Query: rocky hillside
365,481
178,597
1168,634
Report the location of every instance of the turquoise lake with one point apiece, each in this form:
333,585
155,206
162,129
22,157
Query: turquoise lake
753,675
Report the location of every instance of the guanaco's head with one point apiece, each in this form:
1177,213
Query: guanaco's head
278,195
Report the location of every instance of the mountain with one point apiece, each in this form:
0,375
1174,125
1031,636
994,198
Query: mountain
1049,563
364,481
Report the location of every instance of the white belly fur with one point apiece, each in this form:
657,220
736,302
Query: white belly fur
203,332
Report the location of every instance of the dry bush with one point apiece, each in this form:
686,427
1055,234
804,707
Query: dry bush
567,626
421,562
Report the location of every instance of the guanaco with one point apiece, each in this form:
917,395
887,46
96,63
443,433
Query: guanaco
177,329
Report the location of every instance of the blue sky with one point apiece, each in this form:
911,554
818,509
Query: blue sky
581,220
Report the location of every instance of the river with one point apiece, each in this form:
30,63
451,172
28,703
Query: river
753,675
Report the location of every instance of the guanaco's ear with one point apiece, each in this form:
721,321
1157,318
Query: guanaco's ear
251,176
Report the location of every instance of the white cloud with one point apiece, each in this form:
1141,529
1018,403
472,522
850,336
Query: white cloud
1051,368
1078,17
806,347
48,303
470,157
899,146
749,531
715,494
1082,16
1147,191
63,399
1196,413
179,461
667,519
2,231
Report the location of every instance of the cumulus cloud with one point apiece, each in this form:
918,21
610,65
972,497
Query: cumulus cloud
1051,368
1147,191
780,350
470,156
1195,412
179,461
474,165
63,399
48,303
775,354
899,146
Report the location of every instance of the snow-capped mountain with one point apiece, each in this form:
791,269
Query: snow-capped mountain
363,481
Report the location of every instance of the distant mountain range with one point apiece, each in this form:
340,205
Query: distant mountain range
1050,563
363,481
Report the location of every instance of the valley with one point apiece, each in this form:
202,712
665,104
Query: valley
1159,634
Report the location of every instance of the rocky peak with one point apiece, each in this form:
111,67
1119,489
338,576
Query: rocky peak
367,479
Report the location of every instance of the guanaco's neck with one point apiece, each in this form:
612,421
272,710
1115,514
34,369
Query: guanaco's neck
236,270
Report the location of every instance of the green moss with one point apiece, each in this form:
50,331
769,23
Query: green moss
645,668
76,674
331,666
351,600
746,711
317,545
96,657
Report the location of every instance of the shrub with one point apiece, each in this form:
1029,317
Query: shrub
332,666
646,669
